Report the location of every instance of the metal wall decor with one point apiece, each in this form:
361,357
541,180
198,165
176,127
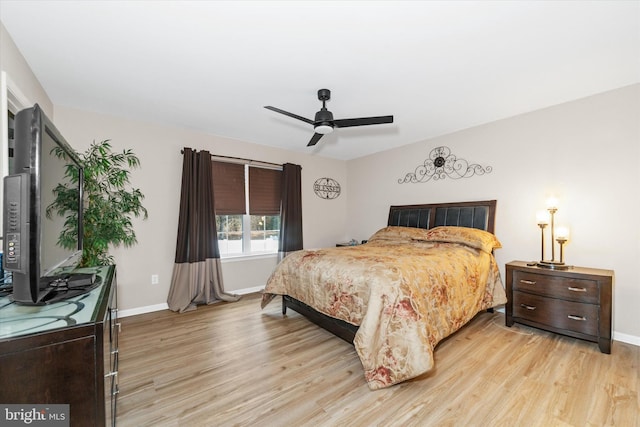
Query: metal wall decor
441,164
326,188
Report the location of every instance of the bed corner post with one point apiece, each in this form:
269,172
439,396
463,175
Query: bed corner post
284,306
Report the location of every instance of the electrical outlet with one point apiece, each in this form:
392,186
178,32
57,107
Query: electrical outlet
154,279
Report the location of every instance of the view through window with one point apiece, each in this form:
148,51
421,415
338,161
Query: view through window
249,234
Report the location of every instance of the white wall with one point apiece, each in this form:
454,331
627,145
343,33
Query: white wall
158,148
19,88
20,77
585,152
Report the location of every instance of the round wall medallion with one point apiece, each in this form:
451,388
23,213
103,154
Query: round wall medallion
326,188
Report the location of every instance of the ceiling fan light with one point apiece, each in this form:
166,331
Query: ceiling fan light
323,129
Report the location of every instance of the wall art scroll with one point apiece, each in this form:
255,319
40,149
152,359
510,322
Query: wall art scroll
441,164
326,188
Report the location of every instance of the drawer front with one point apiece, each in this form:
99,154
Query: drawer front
570,315
579,290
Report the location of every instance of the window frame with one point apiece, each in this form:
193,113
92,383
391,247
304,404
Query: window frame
246,225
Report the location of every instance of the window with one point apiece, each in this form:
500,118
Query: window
247,205
265,231
229,229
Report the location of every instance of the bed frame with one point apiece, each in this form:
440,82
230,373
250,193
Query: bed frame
462,214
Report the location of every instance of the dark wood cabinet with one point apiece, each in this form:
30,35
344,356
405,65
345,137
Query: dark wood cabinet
64,353
574,302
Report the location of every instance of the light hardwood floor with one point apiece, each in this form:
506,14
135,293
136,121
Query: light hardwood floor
232,364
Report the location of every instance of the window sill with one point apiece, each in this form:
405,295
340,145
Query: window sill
246,257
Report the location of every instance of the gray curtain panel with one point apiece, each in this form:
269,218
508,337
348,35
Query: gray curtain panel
197,273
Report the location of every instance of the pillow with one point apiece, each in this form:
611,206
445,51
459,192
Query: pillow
473,237
401,234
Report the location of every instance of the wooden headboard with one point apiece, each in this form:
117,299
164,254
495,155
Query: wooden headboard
480,215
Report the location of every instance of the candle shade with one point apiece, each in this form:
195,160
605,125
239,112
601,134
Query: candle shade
562,233
542,218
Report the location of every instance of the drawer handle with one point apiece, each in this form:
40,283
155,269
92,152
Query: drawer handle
528,307
528,282
574,317
111,374
571,288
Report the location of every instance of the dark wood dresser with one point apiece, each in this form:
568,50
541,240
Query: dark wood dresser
574,302
64,353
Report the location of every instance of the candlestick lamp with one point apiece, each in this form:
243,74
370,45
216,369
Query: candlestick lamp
559,235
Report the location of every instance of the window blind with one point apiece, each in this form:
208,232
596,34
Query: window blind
228,188
264,191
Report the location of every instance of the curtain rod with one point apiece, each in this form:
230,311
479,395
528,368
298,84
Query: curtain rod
243,160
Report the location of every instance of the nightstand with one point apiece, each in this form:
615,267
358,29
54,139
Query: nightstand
574,302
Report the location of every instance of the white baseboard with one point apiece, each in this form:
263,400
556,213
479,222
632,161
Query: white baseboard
248,290
629,339
142,310
164,306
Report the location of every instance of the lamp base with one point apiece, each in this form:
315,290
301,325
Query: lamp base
553,265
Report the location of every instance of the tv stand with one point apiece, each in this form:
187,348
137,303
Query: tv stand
64,352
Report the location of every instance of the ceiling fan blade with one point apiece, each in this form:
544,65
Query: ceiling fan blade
314,139
362,121
286,113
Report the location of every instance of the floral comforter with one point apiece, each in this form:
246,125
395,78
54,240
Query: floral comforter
406,289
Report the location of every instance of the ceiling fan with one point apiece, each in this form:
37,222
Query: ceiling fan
324,122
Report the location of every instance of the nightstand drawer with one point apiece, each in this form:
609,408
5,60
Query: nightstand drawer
562,314
574,289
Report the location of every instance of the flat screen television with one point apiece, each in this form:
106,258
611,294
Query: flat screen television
42,269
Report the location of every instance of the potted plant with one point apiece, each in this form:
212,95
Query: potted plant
109,203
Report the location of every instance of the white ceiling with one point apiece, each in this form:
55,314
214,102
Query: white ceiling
437,66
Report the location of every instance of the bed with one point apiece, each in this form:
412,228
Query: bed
415,282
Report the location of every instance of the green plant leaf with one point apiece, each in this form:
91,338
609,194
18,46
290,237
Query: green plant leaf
109,202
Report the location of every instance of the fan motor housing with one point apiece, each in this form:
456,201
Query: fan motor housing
324,94
324,116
